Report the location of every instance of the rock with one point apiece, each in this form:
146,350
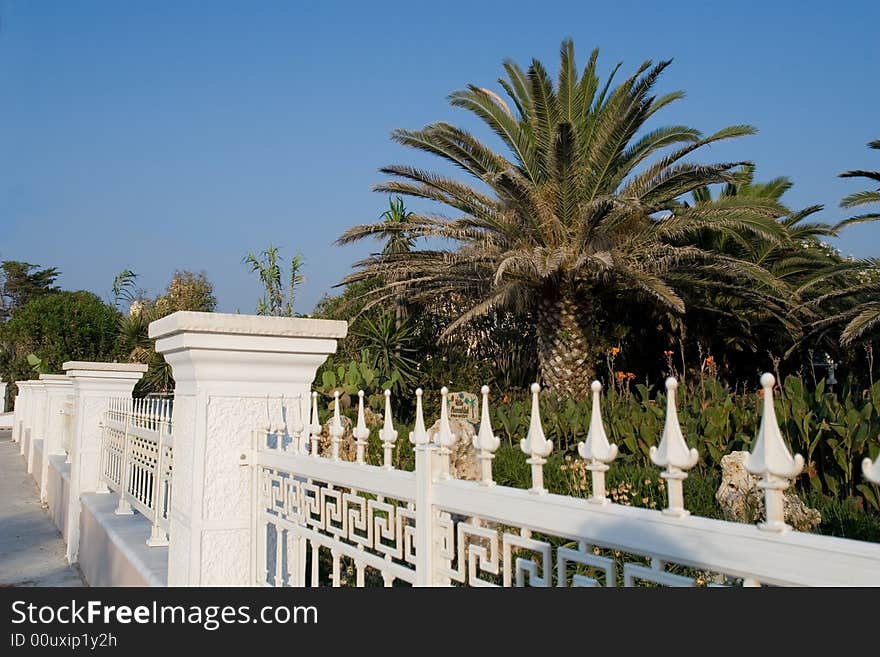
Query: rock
463,461
799,515
347,448
372,419
742,501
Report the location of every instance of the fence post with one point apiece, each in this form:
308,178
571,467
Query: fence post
123,508
224,366
94,384
2,396
427,470
104,463
57,388
158,536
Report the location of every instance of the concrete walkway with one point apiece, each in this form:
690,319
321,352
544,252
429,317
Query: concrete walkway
31,548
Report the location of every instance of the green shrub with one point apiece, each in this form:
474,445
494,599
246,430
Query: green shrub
57,327
833,431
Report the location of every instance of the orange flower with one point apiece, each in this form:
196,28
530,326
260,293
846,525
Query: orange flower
506,399
710,360
630,375
620,376
667,353
761,392
615,351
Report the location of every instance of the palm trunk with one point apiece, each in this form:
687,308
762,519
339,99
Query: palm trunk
564,346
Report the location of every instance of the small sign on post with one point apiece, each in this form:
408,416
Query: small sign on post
464,406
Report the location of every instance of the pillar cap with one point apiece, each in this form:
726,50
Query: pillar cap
257,325
103,373
56,381
103,367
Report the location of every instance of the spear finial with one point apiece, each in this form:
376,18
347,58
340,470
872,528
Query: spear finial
673,454
336,429
444,437
536,445
314,426
596,450
360,432
486,441
419,435
388,434
771,460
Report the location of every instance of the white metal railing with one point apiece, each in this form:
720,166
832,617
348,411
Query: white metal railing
137,459
321,520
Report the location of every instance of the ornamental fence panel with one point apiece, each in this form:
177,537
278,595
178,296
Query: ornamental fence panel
137,460
320,520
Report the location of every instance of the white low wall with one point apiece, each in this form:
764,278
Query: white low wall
58,491
112,549
5,421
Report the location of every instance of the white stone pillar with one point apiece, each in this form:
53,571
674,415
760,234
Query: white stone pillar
22,416
2,396
18,413
37,413
58,387
94,384
224,366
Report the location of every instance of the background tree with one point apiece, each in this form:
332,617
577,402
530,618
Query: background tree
583,210
389,347
398,243
22,281
736,321
57,327
859,314
278,302
186,291
870,197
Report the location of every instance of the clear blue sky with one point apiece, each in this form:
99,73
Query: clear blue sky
164,135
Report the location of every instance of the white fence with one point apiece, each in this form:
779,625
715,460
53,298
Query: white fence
324,521
137,458
260,498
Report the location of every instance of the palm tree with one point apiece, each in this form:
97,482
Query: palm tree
751,317
582,204
399,243
789,259
397,217
867,197
185,291
862,317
